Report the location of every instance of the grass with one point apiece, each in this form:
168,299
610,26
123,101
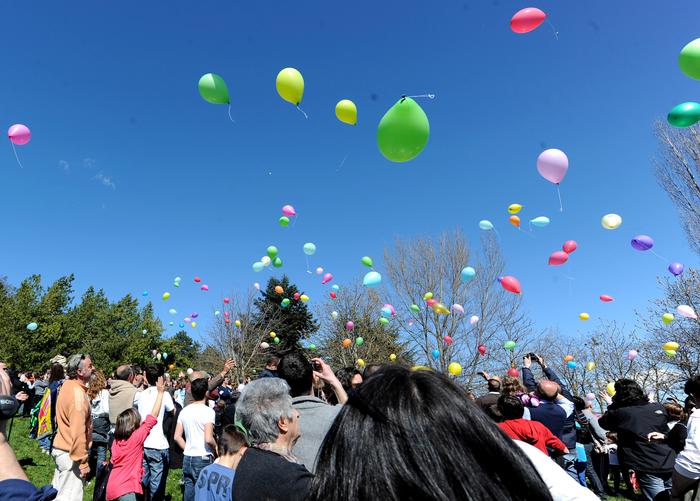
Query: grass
39,467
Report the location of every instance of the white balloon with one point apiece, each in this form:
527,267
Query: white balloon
473,320
687,312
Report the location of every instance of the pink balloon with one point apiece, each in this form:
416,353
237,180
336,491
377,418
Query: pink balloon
458,307
391,308
19,134
569,246
431,302
448,339
349,325
204,287
319,270
327,278
552,165
606,299
526,20
558,258
226,300
631,355
289,211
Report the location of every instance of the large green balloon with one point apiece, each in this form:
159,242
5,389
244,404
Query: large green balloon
213,89
403,131
684,115
689,59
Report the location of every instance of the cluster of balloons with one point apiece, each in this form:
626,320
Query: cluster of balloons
287,212
687,114
513,209
671,348
271,258
558,258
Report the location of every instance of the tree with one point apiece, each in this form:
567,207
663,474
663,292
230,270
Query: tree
182,350
293,322
424,265
360,306
678,173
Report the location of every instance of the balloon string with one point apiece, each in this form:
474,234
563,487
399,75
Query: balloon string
657,255
307,265
343,162
429,96
16,156
554,30
229,113
305,115
561,207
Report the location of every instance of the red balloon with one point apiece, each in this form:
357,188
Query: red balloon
569,246
606,299
228,320
197,279
431,302
448,339
482,349
558,258
526,20
296,296
513,372
333,295
511,284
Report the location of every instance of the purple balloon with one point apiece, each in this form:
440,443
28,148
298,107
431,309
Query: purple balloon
194,315
500,278
675,269
642,242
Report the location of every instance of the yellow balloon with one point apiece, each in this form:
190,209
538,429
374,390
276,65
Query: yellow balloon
238,323
272,334
193,324
454,368
514,208
166,295
611,389
304,298
590,366
266,260
584,316
440,309
427,295
360,362
667,318
346,111
290,85
392,357
671,346
417,368
611,221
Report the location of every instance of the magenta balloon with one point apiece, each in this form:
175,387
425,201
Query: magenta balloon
552,165
19,134
642,242
289,211
675,269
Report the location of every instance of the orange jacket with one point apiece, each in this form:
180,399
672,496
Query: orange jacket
73,421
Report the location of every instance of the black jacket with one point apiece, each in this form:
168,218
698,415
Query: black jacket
633,423
264,475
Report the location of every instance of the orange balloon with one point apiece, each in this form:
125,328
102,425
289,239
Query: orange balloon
279,289
515,221
171,366
346,343
568,358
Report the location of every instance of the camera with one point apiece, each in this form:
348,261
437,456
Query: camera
533,356
316,366
8,407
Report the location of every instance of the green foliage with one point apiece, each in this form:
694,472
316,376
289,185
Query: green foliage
292,323
182,350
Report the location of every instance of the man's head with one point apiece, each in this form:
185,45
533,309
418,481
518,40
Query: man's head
125,373
153,372
510,407
547,389
272,362
266,412
199,389
297,371
80,367
494,384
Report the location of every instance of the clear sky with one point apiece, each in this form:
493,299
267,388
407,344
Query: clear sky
132,179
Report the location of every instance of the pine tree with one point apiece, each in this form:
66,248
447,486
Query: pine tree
293,322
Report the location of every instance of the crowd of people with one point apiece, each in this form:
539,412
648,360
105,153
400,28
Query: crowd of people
301,431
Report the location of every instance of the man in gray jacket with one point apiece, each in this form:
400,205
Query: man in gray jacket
316,416
121,392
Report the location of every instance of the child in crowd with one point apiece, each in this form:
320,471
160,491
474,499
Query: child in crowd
124,482
215,482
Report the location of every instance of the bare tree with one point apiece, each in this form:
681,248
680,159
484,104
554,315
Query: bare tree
678,172
424,265
242,344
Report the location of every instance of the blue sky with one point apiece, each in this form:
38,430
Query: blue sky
132,179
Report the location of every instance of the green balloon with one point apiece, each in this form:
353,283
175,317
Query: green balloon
415,307
285,302
312,347
684,115
509,345
254,371
359,341
383,321
403,131
213,89
277,340
284,221
272,252
277,262
689,59
367,261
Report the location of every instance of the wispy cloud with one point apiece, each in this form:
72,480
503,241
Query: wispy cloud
65,166
105,180
89,163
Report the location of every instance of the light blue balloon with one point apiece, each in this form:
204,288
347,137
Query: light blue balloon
145,293
171,323
182,325
467,274
436,354
336,288
372,279
172,311
540,221
217,313
309,249
177,279
386,312
571,364
258,266
165,355
32,326
485,224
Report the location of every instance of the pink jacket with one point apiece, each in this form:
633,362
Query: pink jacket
127,458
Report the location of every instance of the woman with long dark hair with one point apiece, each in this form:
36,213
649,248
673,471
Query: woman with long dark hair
633,418
414,436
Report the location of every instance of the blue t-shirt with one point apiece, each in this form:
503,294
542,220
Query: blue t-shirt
215,483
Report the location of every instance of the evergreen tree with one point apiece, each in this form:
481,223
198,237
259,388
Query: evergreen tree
291,323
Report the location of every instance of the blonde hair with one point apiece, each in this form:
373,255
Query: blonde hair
96,385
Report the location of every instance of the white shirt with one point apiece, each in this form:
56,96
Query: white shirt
688,460
612,455
100,404
561,486
144,403
193,418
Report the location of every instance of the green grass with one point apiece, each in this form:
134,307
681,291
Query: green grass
39,467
